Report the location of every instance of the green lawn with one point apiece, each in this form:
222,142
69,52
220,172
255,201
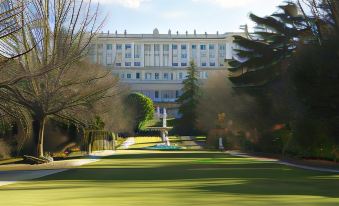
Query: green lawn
177,178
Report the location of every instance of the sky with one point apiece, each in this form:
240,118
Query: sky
142,16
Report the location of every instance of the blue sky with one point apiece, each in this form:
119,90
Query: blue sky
142,16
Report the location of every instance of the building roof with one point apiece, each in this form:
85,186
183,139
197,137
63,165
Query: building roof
156,35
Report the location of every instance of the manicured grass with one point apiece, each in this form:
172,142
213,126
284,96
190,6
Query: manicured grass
177,178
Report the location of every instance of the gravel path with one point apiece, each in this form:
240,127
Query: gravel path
12,173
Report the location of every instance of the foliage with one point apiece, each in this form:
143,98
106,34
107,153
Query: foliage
188,102
144,108
262,55
289,65
5,150
316,78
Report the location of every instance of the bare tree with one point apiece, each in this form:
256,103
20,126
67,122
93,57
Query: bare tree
11,112
60,35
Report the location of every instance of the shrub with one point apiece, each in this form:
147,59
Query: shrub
144,108
5,150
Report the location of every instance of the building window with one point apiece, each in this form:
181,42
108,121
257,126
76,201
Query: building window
174,46
109,47
176,94
147,55
183,47
137,64
180,75
168,94
148,76
128,46
175,64
156,94
184,56
203,64
183,64
137,51
122,76
156,76
129,76
137,75
128,55
119,46
194,46
222,47
157,47
127,64
166,76
118,64
211,46
212,64
157,54
202,47
166,47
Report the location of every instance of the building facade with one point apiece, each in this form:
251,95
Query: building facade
155,64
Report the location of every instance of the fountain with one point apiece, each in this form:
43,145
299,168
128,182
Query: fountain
163,132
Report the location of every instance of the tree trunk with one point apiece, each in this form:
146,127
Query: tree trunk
39,127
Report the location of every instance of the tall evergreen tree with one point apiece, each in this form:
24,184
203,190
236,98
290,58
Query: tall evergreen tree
189,101
262,55
290,60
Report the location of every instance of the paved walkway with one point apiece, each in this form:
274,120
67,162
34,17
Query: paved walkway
239,154
13,173
127,143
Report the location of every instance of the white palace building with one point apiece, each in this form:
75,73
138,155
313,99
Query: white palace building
155,64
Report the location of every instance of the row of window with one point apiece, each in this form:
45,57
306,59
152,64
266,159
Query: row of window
165,47
183,55
162,95
166,94
164,76
153,76
128,64
149,53
138,64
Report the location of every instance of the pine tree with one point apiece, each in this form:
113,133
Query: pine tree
262,56
189,101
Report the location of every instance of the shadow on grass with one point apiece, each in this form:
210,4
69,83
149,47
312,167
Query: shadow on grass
204,172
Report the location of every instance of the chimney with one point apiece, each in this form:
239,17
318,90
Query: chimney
195,32
177,32
169,32
186,33
125,32
217,33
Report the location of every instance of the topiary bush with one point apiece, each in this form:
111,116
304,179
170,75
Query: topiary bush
144,108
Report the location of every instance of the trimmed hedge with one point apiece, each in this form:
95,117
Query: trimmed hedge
144,108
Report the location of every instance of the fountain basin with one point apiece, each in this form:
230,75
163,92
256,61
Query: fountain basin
163,147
